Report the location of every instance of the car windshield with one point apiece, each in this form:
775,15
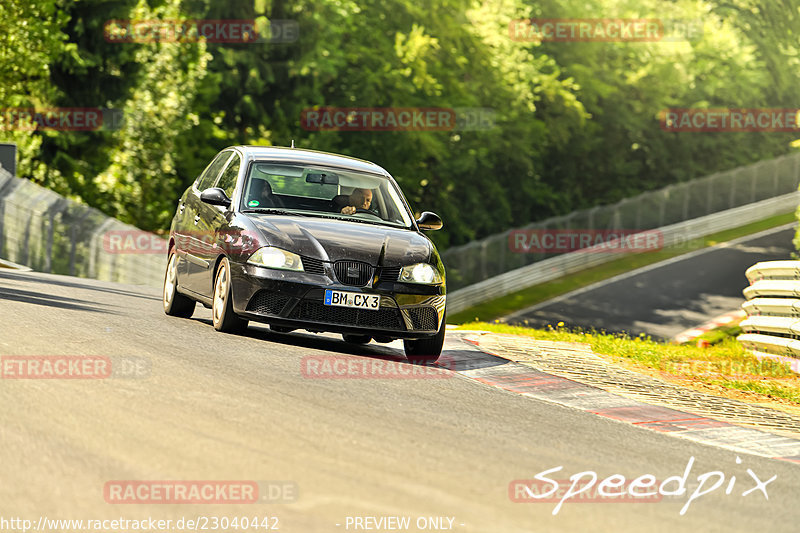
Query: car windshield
324,192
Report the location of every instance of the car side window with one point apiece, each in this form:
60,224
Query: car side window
211,172
227,182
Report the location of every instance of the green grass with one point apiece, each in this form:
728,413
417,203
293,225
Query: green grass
726,364
718,335
494,309
774,390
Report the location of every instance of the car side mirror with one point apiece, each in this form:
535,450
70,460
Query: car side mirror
429,221
215,196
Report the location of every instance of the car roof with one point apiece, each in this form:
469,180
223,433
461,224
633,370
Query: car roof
307,157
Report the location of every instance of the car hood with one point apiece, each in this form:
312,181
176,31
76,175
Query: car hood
332,240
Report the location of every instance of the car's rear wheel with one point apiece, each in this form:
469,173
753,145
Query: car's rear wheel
222,314
175,303
356,339
422,351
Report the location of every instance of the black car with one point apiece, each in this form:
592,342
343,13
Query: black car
304,239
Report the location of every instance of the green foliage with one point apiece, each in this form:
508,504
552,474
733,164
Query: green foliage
30,42
577,124
141,180
625,85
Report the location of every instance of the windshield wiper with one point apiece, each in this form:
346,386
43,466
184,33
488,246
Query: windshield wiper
273,211
373,222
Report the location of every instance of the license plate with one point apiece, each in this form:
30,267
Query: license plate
353,299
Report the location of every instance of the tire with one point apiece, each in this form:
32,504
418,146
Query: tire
175,303
425,351
356,339
222,315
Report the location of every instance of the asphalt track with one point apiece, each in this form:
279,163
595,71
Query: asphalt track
212,406
664,299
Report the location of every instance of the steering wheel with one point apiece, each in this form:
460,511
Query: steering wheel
361,211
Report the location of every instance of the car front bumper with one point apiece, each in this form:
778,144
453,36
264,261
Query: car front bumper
295,299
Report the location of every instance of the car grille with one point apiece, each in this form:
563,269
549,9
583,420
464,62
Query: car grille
353,273
267,303
384,319
424,318
312,266
389,274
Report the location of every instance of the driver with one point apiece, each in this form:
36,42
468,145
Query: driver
358,199
261,192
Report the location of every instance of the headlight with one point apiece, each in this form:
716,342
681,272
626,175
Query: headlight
420,273
272,257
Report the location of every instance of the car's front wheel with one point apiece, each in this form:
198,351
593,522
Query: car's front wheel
222,314
175,303
423,351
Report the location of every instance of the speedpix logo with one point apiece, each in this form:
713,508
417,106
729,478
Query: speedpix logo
585,487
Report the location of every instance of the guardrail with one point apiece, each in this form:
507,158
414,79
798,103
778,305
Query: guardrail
673,235
492,256
772,326
49,233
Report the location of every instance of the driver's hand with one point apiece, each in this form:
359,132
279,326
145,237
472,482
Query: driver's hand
348,210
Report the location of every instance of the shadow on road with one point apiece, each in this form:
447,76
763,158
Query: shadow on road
53,279
455,360
48,300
